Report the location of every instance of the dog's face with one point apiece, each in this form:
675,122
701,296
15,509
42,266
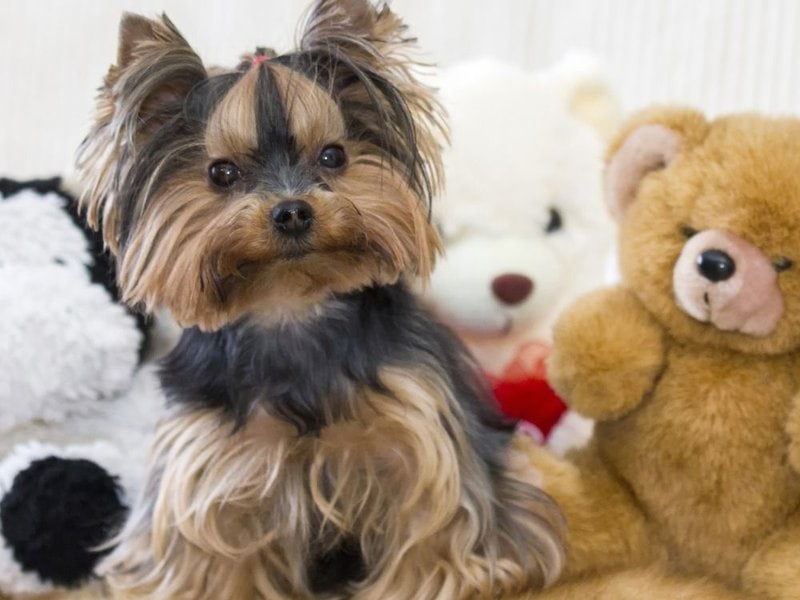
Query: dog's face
264,189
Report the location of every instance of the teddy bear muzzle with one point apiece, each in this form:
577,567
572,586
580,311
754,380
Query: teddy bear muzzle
723,279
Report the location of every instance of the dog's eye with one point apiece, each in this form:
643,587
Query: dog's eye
687,231
782,264
332,157
224,173
555,223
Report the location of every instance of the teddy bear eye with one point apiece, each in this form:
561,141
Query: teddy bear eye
555,222
687,231
782,264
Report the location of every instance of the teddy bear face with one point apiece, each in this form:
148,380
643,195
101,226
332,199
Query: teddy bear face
522,216
709,243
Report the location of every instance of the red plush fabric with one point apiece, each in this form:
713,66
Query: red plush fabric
522,390
531,400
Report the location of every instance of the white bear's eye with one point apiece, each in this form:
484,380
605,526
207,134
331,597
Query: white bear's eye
555,223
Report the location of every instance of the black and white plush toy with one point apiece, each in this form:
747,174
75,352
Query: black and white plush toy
76,410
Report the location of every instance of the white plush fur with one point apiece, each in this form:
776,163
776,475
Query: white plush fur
64,342
70,385
522,143
34,231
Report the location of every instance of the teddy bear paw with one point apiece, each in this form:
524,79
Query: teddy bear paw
607,354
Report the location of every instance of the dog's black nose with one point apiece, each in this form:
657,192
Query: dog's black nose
292,217
716,265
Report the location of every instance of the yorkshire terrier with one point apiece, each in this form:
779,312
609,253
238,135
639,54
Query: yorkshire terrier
326,437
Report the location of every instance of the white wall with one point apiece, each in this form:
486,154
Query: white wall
718,55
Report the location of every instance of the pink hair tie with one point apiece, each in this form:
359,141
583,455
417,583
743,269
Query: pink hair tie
259,58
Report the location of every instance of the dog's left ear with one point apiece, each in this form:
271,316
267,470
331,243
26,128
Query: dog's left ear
367,57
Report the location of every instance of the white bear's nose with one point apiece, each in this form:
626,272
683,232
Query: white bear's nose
512,288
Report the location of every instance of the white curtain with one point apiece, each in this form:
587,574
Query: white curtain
717,55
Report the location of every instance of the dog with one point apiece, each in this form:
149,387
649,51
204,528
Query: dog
326,437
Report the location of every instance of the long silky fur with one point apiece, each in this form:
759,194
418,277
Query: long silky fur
233,515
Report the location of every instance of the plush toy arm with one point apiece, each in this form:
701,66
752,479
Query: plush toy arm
607,353
57,505
793,428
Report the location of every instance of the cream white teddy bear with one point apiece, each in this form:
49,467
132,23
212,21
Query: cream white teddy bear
523,221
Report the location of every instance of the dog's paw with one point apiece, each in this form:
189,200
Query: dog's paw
53,516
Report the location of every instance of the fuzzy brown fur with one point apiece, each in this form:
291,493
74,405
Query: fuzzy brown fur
693,461
646,583
398,463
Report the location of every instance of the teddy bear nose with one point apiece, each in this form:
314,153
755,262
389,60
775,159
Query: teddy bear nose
292,217
511,288
716,265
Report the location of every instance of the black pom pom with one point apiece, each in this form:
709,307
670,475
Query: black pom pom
55,515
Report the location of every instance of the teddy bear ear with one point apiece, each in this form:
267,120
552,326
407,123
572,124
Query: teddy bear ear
586,85
649,142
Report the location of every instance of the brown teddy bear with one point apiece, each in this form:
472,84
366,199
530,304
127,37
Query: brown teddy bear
691,366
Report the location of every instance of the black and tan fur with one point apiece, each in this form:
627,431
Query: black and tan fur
326,437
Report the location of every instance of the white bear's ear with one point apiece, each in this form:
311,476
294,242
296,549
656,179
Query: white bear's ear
587,88
647,143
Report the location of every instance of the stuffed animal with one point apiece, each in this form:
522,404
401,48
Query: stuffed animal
523,221
691,366
74,421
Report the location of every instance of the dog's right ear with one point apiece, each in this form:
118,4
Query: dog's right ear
155,71
133,30
648,142
156,68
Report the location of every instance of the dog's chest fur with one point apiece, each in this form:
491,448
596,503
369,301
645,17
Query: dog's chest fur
310,373
349,415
